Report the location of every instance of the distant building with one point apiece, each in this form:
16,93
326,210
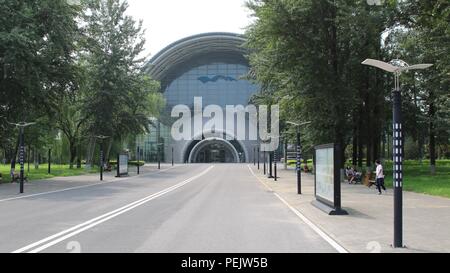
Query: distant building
211,66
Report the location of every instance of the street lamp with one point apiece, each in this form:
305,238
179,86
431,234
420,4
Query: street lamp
101,137
272,171
298,150
21,126
172,157
158,154
138,159
397,67
255,154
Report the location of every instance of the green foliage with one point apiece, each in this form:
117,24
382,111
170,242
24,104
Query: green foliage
37,47
118,96
76,70
417,177
307,57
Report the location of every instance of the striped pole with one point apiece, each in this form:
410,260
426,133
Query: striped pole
398,162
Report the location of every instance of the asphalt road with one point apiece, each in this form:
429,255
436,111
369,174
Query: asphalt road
190,208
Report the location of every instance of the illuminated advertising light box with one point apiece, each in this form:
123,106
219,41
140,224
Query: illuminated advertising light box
327,184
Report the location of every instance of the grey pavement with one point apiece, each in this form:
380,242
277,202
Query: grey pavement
189,208
369,225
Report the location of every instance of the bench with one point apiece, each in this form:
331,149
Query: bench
369,179
353,176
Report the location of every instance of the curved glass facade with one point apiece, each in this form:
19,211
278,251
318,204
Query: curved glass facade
211,66
217,83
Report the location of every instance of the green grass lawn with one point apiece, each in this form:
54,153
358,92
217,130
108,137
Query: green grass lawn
417,177
41,173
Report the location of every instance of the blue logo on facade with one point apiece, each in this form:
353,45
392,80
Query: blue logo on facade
206,79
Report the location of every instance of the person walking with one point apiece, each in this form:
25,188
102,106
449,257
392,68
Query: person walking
380,177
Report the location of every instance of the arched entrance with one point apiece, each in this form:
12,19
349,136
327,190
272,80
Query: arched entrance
214,150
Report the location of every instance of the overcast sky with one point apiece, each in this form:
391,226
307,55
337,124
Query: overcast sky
166,21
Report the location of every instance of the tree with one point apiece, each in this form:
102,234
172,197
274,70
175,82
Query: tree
36,58
310,52
118,94
425,38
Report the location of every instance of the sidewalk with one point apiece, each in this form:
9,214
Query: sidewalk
426,222
11,190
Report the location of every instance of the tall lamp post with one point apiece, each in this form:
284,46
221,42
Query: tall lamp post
101,137
264,160
21,126
255,153
138,160
397,67
298,151
172,158
259,156
158,154
49,160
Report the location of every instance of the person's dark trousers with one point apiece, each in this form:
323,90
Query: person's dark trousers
380,184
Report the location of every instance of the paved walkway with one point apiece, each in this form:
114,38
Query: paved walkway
369,225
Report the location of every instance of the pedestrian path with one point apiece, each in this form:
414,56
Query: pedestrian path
369,225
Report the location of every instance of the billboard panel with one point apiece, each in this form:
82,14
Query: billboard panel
123,165
325,173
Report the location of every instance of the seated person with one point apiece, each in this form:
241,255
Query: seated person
14,176
351,174
305,168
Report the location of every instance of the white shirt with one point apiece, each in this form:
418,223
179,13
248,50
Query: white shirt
379,171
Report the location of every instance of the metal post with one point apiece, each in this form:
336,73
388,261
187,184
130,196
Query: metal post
270,165
21,159
159,159
254,156
138,160
286,153
157,143
49,160
172,157
275,164
259,151
298,150
264,160
101,163
118,165
398,161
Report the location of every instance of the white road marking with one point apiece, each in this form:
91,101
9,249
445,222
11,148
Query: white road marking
81,187
63,235
313,226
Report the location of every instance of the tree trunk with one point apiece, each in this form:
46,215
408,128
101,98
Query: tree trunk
14,155
432,139
360,139
108,150
432,132
90,151
79,155
72,151
355,146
